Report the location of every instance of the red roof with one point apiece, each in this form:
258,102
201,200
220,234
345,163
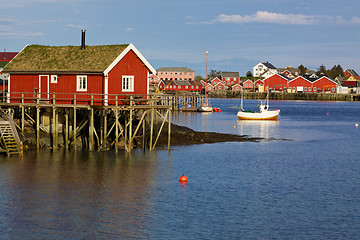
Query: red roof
7,56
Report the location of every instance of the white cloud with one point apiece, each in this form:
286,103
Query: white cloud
279,18
268,17
18,34
129,29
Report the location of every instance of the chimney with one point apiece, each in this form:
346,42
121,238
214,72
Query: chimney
5,53
83,39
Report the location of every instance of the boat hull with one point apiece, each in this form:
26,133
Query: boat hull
265,115
205,109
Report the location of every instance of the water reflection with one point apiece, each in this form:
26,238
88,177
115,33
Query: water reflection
65,191
263,129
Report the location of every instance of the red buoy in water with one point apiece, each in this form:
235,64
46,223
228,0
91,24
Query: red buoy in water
183,179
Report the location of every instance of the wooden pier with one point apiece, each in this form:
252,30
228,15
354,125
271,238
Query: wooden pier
96,121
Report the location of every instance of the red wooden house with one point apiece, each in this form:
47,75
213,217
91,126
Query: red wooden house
230,78
248,85
209,88
300,84
171,85
325,84
70,70
215,81
258,83
276,82
220,87
236,87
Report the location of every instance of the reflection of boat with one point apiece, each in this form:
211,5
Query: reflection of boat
263,114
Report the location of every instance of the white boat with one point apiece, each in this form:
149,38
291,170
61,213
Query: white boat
205,108
263,114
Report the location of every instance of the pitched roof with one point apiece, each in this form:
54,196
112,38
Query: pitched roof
175,69
7,56
230,74
94,59
352,72
269,65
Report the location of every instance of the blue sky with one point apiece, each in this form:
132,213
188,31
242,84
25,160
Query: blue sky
237,34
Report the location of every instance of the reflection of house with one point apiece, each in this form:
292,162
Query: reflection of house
230,78
176,73
264,70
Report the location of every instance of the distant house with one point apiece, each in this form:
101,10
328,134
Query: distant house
248,85
209,88
171,85
220,87
258,83
6,57
69,70
264,69
176,73
300,84
325,84
214,81
289,72
230,78
153,78
236,87
350,72
276,82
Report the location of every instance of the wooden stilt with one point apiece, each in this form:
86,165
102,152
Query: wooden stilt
66,129
91,129
151,128
37,122
116,126
75,133
130,123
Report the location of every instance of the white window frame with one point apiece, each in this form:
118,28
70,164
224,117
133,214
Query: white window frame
127,83
53,79
81,83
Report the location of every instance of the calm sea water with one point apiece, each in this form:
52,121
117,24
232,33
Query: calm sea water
301,182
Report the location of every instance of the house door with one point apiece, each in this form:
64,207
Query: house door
44,86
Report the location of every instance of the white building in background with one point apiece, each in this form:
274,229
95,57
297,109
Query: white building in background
264,70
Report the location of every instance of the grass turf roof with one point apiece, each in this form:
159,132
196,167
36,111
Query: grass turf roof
65,58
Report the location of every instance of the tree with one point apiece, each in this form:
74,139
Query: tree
249,74
302,70
321,69
198,77
213,73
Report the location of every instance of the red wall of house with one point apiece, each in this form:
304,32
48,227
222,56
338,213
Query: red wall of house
301,82
64,89
131,65
275,81
325,84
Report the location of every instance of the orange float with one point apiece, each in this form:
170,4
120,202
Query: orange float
183,179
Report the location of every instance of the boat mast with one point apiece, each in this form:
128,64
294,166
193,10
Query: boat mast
206,79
